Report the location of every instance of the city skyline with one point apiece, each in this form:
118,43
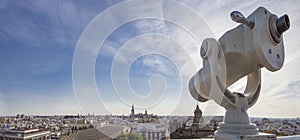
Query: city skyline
38,40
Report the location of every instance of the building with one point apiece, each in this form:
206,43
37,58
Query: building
100,133
196,130
140,117
197,119
4,120
25,134
132,116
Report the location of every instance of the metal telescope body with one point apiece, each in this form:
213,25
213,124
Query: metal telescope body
256,43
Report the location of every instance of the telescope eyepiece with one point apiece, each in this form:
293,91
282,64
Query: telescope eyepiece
277,26
283,23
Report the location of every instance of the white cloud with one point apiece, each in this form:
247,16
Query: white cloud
157,63
157,44
216,14
151,25
109,48
291,91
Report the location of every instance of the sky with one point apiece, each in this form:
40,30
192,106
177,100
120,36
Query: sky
70,57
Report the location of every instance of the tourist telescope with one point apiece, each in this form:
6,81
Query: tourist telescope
243,51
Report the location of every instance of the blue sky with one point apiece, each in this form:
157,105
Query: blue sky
38,40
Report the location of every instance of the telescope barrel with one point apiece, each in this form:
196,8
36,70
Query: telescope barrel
245,50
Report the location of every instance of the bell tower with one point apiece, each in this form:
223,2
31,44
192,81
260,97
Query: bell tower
132,111
197,115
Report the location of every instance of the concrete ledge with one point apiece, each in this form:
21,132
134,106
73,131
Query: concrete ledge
259,136
297,137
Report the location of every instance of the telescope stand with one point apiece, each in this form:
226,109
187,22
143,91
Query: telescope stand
237,125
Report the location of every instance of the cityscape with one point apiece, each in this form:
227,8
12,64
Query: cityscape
149,70
133,126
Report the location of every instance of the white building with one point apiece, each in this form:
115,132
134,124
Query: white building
28,134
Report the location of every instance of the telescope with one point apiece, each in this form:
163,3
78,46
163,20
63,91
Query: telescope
256,43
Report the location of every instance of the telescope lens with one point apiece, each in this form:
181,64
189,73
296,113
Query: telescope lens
278,25
283,24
